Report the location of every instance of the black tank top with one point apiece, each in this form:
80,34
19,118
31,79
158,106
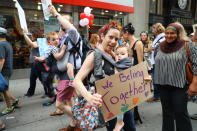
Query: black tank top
134,52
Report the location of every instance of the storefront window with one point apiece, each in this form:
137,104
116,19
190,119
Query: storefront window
100,21
20,49
9,20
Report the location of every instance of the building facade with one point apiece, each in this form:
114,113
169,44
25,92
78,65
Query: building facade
168,11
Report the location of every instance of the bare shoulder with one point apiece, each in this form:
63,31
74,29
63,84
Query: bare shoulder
139,43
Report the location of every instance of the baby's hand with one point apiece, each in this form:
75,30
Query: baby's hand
41,59
36,58
64,47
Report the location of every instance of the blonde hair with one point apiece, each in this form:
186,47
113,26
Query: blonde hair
159,28
124,46
182,32
48,36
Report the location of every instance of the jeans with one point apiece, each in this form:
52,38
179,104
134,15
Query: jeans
174,108
129,123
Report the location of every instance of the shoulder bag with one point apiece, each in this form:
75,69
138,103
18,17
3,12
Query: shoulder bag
189,73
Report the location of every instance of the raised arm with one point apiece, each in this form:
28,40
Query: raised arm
86,68
30,42
64,22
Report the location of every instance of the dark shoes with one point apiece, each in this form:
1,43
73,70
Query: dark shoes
28,95
48,103
43,96
153,99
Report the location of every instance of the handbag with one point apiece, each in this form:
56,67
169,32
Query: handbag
3,83
189,73
62,63
86,115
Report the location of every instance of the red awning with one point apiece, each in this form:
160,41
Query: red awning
118,5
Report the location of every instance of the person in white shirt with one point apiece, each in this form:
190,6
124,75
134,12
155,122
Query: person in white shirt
158,31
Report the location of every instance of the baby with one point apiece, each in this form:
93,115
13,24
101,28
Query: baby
53,49
123,61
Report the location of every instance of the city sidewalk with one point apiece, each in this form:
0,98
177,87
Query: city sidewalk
32,116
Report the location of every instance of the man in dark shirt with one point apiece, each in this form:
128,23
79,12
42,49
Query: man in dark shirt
6,63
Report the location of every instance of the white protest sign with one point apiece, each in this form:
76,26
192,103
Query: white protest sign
123,91
43,46
46,11
21,15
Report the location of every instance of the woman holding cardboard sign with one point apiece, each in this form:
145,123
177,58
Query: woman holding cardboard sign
110,35
170,76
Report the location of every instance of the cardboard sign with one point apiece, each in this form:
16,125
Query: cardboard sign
21,15
43,46
46,11
123,91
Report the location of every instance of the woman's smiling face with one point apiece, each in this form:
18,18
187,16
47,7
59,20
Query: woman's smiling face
170,35
110,39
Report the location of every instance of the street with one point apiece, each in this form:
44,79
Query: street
32,116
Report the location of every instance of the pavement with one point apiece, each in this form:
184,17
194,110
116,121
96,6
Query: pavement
32,116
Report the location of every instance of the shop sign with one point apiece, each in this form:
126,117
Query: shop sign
119,5
181,13
184,21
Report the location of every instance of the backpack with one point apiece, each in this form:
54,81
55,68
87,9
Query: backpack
75,51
